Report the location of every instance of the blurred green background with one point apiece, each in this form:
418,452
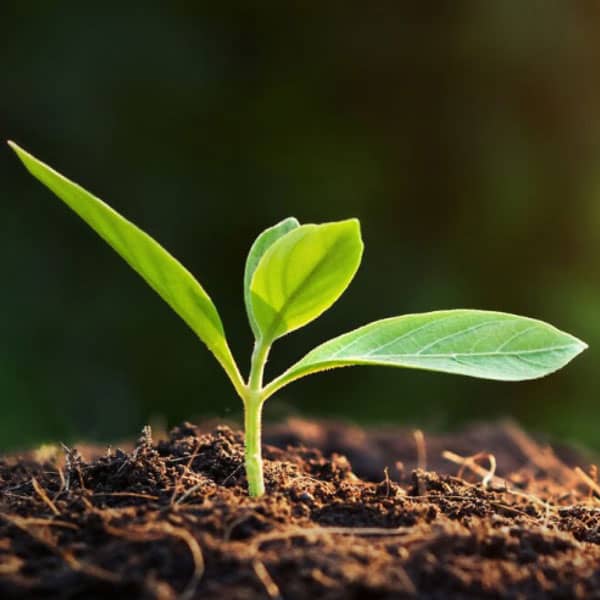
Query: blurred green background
464,135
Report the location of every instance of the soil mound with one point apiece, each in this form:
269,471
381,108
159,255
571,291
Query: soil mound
349,513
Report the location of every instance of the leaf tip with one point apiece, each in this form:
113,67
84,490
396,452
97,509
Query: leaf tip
352,224
17,149
355,224
578,345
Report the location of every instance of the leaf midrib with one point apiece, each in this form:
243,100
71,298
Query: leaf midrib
365,357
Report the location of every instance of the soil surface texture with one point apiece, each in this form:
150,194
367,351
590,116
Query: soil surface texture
349,514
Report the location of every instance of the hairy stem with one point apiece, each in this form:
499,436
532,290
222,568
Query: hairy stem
253,401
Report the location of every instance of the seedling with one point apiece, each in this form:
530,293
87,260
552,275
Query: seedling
293,274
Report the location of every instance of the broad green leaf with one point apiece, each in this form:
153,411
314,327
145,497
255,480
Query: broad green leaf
168,277
262,243
302,274
484,344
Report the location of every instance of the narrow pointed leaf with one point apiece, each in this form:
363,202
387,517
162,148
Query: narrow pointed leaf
168,277
489,345
302,274
262,243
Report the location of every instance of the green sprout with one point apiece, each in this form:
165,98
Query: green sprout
293,274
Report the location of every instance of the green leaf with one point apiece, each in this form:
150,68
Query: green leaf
484,344
262,243
168,277
302,274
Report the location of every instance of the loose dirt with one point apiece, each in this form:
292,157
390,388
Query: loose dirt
349,513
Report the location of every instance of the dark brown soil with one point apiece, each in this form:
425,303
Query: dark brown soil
347,515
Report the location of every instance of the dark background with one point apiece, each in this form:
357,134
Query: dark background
464,135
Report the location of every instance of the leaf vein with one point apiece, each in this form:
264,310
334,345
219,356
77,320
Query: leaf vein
456,334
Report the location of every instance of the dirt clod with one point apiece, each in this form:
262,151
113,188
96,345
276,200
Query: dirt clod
348,514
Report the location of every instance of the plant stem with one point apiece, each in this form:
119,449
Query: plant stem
253,401
254,470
